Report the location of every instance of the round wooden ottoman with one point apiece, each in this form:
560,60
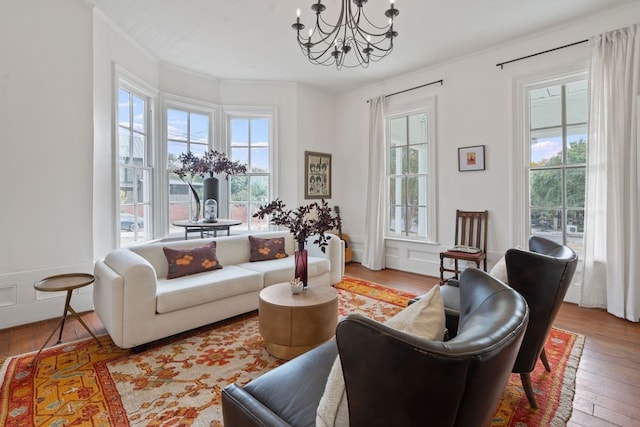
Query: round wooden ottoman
293,324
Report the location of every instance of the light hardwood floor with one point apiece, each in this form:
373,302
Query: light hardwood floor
608,378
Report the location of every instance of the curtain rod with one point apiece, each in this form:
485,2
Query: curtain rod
502,64
416,87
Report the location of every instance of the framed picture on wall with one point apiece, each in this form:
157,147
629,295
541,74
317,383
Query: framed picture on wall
471,158
317,175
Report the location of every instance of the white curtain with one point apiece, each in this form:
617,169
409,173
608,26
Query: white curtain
374,256
612,231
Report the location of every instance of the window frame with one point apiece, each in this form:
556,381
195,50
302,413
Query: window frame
269,113
191,106
428,107
132,84
521,149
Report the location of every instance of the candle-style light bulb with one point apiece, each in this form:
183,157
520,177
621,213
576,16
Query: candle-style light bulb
298,13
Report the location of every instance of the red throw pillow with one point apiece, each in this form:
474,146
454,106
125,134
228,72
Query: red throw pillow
266,249
183,262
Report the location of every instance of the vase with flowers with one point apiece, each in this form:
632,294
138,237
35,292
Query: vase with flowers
209,164
313,219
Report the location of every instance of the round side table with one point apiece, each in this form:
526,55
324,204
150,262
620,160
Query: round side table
60,283
293,324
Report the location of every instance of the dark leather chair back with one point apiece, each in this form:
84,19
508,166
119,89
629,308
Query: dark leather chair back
393,378
542,275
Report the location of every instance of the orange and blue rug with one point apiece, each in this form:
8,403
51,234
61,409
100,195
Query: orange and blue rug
177,381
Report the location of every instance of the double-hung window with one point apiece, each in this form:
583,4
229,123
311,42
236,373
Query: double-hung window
250,141
188,128
556,140
410,175
134,163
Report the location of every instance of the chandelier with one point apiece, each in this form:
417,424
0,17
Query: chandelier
353,41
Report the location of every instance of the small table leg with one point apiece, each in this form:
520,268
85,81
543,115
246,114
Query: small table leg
67,309
64,314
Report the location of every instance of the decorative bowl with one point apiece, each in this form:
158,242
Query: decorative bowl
296,286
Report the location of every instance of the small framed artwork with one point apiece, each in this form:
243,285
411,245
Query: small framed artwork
471,158
317,175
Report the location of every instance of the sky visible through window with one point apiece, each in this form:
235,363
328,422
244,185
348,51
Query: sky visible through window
546,119
250,134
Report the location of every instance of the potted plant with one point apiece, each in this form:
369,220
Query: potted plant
307,220
211,163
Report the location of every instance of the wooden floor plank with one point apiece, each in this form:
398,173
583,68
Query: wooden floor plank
580,419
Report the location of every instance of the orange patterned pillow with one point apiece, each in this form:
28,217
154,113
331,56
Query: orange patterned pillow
266,249
183,262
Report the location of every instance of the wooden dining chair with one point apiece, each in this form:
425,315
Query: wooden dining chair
470,242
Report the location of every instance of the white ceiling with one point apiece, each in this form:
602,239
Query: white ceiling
253,39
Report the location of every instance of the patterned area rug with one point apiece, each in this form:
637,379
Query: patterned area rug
178,381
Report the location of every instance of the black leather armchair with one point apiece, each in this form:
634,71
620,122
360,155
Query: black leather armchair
542,276
393,378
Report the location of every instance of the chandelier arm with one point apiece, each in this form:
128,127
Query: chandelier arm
375,42
326,35
366,18
317,56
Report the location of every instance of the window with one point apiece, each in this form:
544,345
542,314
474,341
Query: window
556,140
134,164
187,129
410,177
250,141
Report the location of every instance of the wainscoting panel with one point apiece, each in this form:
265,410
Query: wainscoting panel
8,295
414,257
20,303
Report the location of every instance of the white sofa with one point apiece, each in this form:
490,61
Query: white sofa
137,304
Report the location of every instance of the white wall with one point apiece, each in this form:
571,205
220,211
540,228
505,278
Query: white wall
177,81
475,106
47,152
111,47
316,132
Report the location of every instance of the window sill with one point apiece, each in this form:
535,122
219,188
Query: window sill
411,240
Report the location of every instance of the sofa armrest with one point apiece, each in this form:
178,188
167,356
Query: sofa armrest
124,261
125,297
241,409
334,252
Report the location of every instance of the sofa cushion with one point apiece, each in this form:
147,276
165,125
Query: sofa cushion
266,249
189,291
424,318
183,262
281,270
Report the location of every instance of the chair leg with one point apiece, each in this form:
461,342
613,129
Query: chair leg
525,377
545,361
